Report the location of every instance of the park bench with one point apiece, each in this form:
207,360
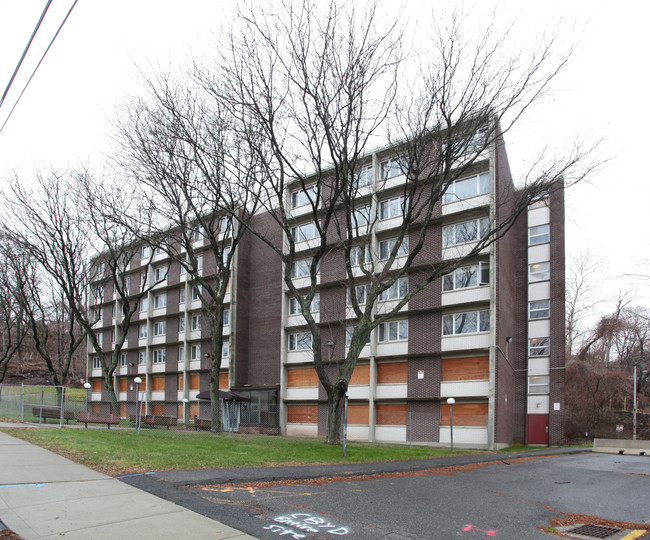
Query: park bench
157,420
95,418
52,412
202,423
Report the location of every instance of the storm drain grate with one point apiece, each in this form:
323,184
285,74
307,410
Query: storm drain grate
595,531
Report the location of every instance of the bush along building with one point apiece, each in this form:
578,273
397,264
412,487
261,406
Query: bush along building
489,333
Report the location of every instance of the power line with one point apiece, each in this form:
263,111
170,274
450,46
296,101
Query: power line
38,25
38,65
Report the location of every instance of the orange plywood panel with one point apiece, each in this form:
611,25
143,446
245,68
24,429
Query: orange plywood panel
302,414
158,409
466,369
158,383
97,386
361,375
358,414
391,414
465,414
123,382
302,377
224,383
181,382
392,372
195,381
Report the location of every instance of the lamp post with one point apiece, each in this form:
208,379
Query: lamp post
450,402
185,402
87,386
634,405
137,382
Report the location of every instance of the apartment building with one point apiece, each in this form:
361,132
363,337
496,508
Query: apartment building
490,334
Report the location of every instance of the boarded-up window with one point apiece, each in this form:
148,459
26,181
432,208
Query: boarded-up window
466,369
96,408
179,411
143,385
158,409
123,410
195,381
194,411
181,382
391,415
361,375
97,386
158,384
392,373
302,377
224,383
358,414
465,414
123,385
302,414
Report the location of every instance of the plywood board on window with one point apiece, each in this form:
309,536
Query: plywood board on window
224,383
361,375
358,414
158,409
158,384
302,414
393,414
302,377
465,414
181,382
123,410
466,369
97,386
194,411
195,381
96,408
392,372
123,382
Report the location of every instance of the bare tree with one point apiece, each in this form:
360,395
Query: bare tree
192,169
320,84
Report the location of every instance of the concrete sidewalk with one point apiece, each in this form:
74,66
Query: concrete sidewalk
43,495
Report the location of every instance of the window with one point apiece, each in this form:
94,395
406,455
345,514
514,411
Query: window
539,272
196,322
386,248
196,292
183,270
465,188
303,197
356,254
159,328
360,293
199,262
197,234
159,356
364,177
144,304
225,252
98,314
99,293
181,295
304,232
360,216
539,235
160,272
224,223
146,252
159,250
195,352
225,349
226,317
394,331
124,359
467,231
181,324
142,357
538,384
349,330
391,208
300,341
466,323
294,305
144,279
100,340
96,362
396,290
181,354
143,330
539,309
302,268
160,301
467,276
539,347
127,285
393,167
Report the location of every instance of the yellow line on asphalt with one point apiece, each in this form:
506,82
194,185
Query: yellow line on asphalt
634,534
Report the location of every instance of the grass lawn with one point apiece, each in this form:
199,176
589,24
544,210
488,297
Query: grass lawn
121,452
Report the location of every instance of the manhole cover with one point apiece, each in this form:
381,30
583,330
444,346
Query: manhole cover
594,531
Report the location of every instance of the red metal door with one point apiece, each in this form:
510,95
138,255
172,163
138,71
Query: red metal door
538,429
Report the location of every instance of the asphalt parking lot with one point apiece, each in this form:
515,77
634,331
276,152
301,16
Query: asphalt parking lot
511,496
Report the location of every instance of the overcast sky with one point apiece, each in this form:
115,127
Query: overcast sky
62,119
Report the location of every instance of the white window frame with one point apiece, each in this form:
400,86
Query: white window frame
160,328
539,272
360,216
539,309
456,324
146,252
540,234
454,280
97,364
195,322
181,295
392,167
181,323
226,317
144,331
197,291
295,309
392,331
361,294
304,232
479,184
100,339
386,248
355,255
364,177
160,301
142,358
195,352
396,291
225,349
300,266
392,208
181,353
539,347
450,232
301,197
300,341
160,272
349,330
198,233
539,384
124,359
159,356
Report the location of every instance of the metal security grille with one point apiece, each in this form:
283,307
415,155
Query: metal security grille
594,531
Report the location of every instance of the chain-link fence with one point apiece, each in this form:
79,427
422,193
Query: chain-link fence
249,412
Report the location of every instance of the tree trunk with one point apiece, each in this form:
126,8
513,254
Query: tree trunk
110,387
335,407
